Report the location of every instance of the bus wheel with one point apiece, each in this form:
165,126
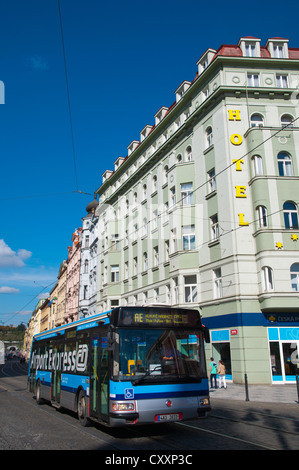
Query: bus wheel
84,421
39,400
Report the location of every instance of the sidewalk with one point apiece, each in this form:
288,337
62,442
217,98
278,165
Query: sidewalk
285,393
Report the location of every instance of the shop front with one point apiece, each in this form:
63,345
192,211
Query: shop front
264,346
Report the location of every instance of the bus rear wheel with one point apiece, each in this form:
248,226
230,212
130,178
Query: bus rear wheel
39,400
82,405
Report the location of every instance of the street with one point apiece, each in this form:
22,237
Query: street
233,425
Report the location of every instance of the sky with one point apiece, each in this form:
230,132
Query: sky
124,60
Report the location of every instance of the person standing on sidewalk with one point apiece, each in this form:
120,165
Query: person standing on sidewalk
213,372
221,373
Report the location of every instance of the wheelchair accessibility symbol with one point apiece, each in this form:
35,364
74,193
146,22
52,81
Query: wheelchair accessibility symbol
129,393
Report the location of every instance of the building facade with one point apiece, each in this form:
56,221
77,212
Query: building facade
203,211
89,260
73,278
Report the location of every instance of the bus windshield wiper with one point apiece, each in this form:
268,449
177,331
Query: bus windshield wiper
148,372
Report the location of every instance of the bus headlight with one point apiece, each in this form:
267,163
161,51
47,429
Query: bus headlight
122,406
204,402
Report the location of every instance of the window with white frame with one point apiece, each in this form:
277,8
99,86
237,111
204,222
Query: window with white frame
294,271
282,81
278,51
214,227
250,50
156,294
211,181
135,266
115,273
286,120
209,136
256,120
257,165
156,256
175,291
217,275
285,167
126,269
190,289
253,79
262,217
267,278
115,242
172,196
145,263
188,154
290,214
187,193
188,235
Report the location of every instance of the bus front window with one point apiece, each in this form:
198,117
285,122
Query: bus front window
155,354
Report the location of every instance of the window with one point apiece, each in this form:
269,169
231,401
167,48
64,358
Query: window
172,196
286,120
278,51
256,120
262,216
268,281
144,227
126,269
155,219
188,233
145,265
165,174
190,286
115,242
86,266
179,158
282,81
250,50
257,165
154,183
175,293
135,266
290,214
156,256
253,79
214,227
217,283
156,295
188,154
211,181
294,271
209,136
285,167
187,193
115,273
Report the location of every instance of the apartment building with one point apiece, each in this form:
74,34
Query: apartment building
203,210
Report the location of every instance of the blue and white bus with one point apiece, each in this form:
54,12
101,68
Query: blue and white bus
131,365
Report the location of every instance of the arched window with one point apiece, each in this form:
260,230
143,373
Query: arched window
188,154
290,213
285,167
179,158
286,120
262,217
294,271
256,120
268,280
257,165
209,136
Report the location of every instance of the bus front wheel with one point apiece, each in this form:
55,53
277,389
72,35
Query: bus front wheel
82,406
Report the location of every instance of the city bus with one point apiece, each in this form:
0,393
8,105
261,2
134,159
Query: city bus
131,365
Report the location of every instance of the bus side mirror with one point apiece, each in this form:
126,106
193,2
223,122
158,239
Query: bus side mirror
206,334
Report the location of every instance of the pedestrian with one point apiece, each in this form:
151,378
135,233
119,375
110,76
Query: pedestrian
213,372
221,373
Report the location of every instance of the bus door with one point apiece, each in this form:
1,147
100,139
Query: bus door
56,374
99,380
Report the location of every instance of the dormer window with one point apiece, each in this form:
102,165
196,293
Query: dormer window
179,93
205,60
160,114
278,48
133,145
250,47
145,132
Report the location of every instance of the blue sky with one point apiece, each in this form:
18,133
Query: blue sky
124,61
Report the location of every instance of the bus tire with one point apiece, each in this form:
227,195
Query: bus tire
39,400
81,409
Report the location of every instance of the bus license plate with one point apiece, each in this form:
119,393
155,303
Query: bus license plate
169,417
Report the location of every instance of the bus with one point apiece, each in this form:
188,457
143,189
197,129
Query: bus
130,365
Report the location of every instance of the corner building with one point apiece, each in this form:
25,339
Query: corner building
202,212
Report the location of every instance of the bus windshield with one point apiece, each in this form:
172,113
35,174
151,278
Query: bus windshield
147,355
